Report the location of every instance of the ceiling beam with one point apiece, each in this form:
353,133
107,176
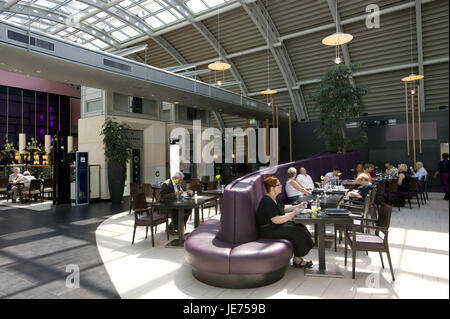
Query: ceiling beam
204,31
365,72
9,3
261,18
130,50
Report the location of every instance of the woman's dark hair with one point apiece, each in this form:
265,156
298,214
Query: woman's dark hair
445,156
270,182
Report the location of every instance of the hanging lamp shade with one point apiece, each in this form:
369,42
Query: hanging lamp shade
219,66
47,140
22,143
337,38
69,143
412,77
269,92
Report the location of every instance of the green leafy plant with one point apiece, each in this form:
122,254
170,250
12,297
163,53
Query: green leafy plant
117,148
340,99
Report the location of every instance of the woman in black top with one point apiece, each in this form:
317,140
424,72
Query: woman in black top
274,221
403,182
443,171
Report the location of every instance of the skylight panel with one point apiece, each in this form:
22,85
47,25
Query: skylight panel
91,20
176,13
45,4
214,3
196,6
166,17
125,4
130,31
77,5
154,22
62,33
101,14
151,5
114,22
90,46
18,19
119,35
99,43
135,10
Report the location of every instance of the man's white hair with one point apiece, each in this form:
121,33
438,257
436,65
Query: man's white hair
178,174
419,163
18,168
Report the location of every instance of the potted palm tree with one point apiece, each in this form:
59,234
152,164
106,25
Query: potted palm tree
117,153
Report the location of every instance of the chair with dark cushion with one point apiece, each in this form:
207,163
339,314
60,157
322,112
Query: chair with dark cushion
47,186
365,241
150,219
421,190
33,190
391,193
380,194
3,185
413,191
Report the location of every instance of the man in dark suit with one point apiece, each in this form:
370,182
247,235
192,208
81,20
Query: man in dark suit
170,189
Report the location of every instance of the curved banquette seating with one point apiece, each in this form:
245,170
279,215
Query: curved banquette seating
227,252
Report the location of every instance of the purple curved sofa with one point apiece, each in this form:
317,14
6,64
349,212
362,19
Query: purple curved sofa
227,252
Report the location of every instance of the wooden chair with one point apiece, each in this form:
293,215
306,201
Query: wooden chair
149,220
392,192
147,189
413,191
135,188
212,185
379,195
33,190
3,184
421,191
195,181
47,187
358,240
362,210
208,205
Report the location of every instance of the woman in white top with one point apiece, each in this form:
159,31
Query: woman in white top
293,189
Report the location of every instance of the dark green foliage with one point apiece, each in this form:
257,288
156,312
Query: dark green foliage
339,101
117,148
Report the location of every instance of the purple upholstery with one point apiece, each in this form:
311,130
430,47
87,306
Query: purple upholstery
232,246
260,256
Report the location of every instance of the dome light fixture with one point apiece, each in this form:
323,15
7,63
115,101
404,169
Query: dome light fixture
337,38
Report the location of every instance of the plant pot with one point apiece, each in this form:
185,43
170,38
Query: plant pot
116,181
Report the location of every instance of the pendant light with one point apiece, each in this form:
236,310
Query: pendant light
219,65
22,136
412,77
47,138
337,38
412,91
268,91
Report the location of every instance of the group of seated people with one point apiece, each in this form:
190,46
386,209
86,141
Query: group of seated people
18,183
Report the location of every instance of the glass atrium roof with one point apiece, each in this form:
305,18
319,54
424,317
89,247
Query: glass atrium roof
104,24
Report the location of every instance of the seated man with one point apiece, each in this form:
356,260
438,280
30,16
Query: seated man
294,190
332,177
420,171
27,177
170,189
361,193
305,180
16,184
391,170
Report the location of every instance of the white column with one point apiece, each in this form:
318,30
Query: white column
22,143
47,140
69,144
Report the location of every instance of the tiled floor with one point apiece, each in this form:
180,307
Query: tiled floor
38,241
419,245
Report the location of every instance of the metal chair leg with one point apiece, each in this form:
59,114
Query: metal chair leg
390,264
381,257
134,233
